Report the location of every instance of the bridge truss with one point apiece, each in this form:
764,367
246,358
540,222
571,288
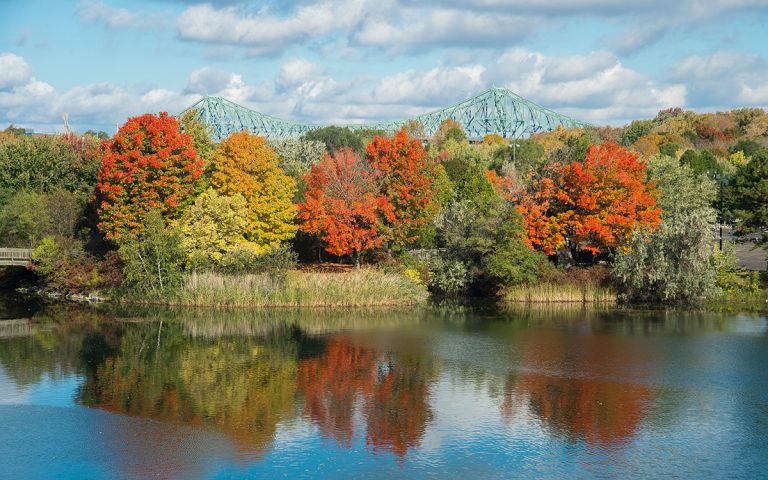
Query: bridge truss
496,110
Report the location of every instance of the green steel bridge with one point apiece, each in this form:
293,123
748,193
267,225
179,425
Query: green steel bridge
496,110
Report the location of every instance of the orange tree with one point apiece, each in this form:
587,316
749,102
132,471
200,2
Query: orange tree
147,165
244,164
407,179
344,205
590,206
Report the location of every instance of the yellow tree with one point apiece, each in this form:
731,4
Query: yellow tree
214,226
244,164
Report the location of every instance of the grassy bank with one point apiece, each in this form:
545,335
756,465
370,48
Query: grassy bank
560,293
358,288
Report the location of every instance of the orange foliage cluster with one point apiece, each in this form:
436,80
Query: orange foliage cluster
591,206
147,165
407,179
245,165
343,204
356,204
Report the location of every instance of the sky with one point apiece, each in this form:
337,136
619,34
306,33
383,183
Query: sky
357,61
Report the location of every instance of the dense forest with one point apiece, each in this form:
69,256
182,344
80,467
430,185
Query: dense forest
159,211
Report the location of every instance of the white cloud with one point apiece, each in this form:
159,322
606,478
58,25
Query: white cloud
413,29
722,79
296,72
400,26
594,87
14,70
263,31
96,11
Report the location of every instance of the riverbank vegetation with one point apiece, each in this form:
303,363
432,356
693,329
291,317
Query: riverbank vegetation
161,213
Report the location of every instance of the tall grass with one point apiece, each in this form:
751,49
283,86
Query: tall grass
560,293
359,288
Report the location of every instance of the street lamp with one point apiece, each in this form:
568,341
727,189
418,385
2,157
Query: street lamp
514,147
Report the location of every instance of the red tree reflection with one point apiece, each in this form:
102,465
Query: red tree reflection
392,395
578,385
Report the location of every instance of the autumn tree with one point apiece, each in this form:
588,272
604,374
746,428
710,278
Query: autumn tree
344,205
589,206
407,179
244,164
213,227
147,165
450,129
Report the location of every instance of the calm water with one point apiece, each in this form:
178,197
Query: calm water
381,394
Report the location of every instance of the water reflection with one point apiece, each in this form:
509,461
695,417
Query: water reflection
589,388
387,384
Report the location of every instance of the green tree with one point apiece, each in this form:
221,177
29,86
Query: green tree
335,138
297,155
153,258
701,163
200,133
675,264
632,132
24,220
44,164
746,197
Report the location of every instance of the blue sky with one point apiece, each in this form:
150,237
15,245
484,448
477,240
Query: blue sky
602,61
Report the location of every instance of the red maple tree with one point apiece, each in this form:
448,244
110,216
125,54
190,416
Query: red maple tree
407,179
149,164
590,206
344,205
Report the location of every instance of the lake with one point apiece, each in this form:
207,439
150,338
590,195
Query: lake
423,393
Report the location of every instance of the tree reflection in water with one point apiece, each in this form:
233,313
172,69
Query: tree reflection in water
391,390
245,386
570,383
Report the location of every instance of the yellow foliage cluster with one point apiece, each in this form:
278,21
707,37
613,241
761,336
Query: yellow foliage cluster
214,226
244,164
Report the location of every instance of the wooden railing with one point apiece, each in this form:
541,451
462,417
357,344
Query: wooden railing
15,256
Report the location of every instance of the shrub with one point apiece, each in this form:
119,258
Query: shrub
152,259
275,261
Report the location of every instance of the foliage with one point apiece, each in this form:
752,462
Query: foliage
523,156
148,165
153,258
747,196
487,240
635,130
214,226
66,267
675,263
450,129
730,276
24,220
46,163
701,163
449,275
415,129
591,206
335,138
297,155
201,135
244,164
344,205
747,147
243,260
407,180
